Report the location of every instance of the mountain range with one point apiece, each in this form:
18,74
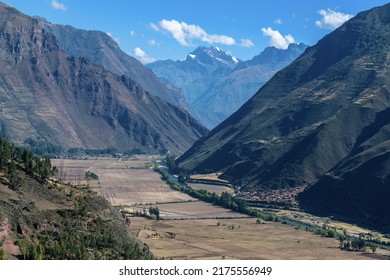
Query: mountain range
197,71
47,94
320,125
216,84
102,50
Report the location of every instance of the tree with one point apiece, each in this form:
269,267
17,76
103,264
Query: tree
27,159
5,152
170,161
373,247
2,255
358,244
87,177
331,232
154,211
16,181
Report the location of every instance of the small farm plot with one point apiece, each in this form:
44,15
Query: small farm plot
212,188
71,171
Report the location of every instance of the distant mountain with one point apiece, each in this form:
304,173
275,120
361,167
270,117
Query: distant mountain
322,122
101,49
273,57
198,71
216,84
49,95
228,94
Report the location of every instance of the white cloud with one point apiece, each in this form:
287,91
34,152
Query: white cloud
247,43
116,39
278,21
56,5
332,19
143,56
185,33
152,42
154,26
278,40
132,33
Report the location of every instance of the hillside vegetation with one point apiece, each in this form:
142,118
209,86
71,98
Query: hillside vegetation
43,219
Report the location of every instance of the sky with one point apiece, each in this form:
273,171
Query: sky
157,30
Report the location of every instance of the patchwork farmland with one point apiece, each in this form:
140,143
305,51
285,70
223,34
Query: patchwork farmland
193,229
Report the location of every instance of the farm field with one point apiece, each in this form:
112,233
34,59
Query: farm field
134,187
193,229
191,210
211,176
212,188
236,239
124,183
73,170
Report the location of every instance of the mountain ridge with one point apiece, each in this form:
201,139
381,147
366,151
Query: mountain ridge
326,107
102,50
49,95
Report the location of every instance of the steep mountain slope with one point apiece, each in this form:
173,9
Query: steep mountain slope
329,105
43,219
197,71
101,49
228,94
358,186
45,94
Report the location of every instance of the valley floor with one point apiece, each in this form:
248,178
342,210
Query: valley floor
192,229
236,239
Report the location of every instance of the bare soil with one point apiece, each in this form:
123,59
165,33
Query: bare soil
236,239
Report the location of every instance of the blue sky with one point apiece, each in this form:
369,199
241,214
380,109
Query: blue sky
155,29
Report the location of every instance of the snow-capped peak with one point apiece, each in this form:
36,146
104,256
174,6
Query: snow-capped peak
212,55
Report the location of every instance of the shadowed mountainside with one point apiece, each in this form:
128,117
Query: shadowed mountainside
325,112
